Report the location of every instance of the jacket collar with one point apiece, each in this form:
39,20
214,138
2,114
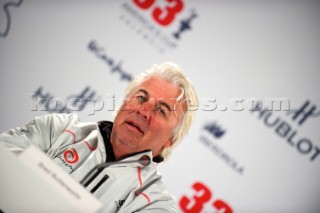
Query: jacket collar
105,128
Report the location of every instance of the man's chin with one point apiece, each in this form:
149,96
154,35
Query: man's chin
128,143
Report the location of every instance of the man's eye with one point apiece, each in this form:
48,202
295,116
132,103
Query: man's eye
141,98
162,111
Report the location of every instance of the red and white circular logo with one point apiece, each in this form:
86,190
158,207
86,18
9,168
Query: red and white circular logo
71,156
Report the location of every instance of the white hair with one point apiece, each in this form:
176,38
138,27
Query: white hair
174,75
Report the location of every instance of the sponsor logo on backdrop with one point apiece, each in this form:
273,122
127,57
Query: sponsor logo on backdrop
6,16
75,102
115,66
202,195
209,136
215,130
304,112
161,24
283,127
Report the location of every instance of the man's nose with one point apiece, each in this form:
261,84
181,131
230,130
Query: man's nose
145,110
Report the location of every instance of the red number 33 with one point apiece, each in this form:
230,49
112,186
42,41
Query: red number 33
202,196
166,16
162,16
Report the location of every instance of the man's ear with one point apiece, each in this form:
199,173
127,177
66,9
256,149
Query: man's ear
169,143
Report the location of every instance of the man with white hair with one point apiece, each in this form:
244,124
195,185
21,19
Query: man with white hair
154,118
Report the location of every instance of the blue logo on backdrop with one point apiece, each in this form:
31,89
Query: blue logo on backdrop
185,24
215,130
212,131
5,15
76,102
286,131
115,67
304,112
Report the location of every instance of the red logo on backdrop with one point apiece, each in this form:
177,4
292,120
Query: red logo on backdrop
202,195
165,16
71,156
159,23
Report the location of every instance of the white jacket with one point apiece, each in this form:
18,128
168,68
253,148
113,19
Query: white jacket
78,147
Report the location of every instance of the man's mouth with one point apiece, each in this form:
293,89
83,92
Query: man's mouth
135,125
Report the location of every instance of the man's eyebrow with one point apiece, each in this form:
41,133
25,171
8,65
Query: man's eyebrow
143,91
165,105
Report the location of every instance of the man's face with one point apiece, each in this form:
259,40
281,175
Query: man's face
147,118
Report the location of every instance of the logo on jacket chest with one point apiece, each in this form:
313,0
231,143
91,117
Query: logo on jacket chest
119,203
69,157
65,163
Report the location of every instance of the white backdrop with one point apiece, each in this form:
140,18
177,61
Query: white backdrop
234,159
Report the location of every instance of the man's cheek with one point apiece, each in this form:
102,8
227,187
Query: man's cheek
126,107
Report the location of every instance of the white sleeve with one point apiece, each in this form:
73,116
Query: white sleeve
42,132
